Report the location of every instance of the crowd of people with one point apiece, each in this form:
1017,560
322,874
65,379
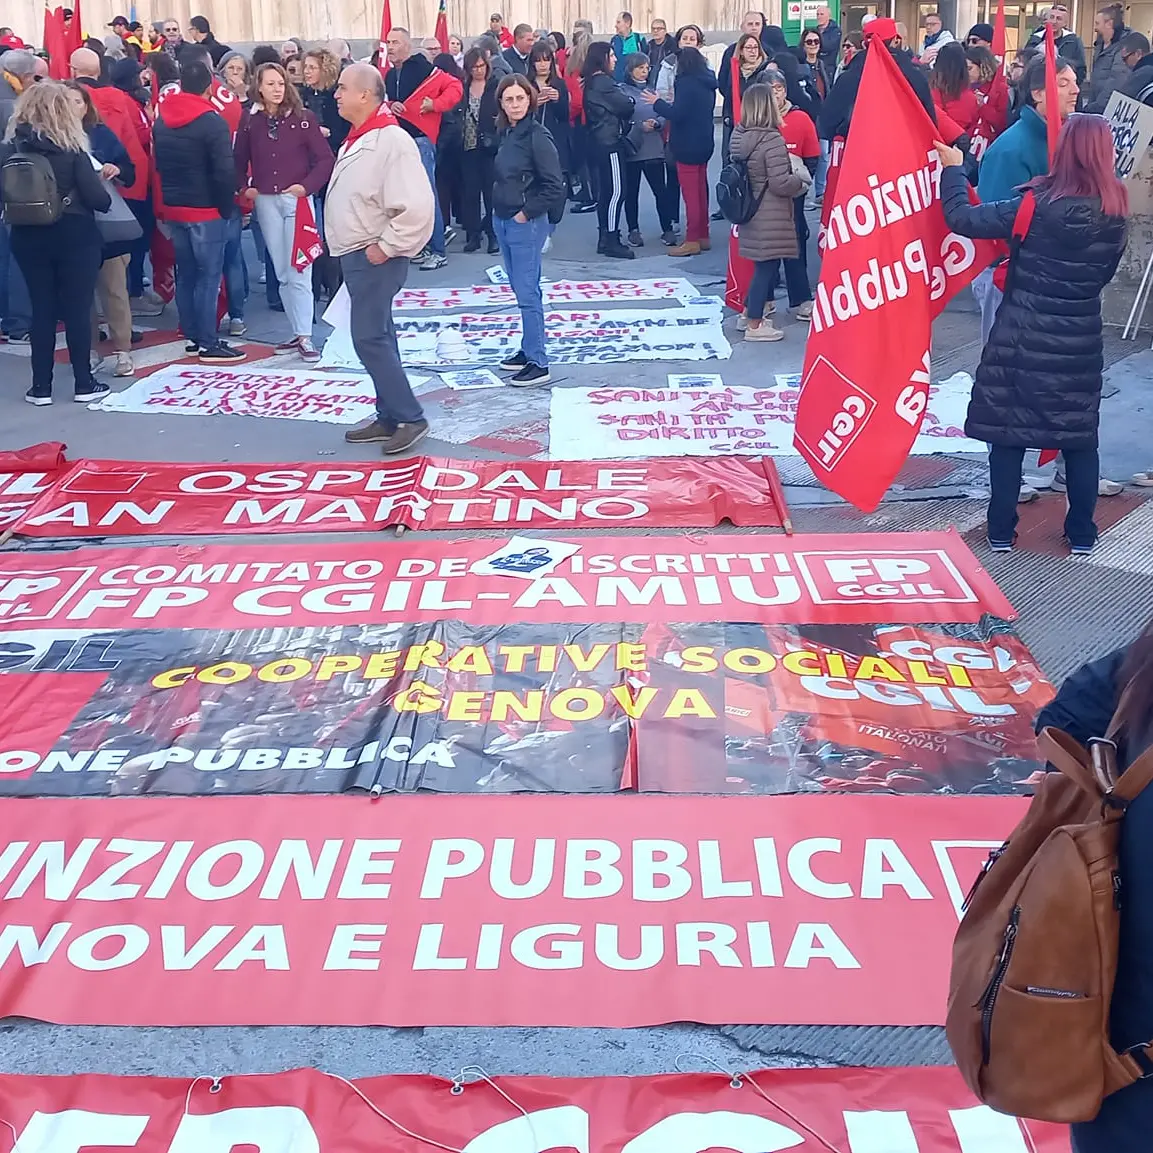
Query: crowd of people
180,138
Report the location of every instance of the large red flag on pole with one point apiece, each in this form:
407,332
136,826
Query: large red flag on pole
1052,109
890,265
56,43
999,32
385,29
75,31
441,31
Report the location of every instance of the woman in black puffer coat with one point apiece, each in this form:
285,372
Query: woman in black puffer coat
1039,381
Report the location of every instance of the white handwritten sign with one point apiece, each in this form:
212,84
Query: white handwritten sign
192,390
1132,125
699,415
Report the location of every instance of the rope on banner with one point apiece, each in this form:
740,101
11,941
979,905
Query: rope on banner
9,1125
478,1074
391,1120
737,1080
215,1087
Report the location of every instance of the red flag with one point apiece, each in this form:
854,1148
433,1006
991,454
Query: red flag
441,32
56,43
306,246
1052,110
385,29
74,34
999,32
890,265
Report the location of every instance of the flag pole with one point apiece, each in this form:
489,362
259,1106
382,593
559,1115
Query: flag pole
1052,110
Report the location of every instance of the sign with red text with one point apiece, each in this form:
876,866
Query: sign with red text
108,498
889,266
697,414
921,1110
544,911
555,293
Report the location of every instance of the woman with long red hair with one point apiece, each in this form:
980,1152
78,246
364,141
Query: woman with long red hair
1039,381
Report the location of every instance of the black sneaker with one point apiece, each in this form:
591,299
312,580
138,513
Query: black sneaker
191,348
95,391
222,353
405,437
493,246
38,397
514,363
472,244
374,433
581,209
529,375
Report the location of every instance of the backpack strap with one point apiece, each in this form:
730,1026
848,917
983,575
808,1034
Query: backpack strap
1070,758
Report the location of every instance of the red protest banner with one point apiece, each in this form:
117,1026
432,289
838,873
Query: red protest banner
890,265
875,578
572,910
110,498
920,1110
26,474
306,246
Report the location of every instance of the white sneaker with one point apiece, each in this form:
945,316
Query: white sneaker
1026,494
805,311
124,365
307,350
742,322
1105,486
766,330
95,360
236,326
262,278
546,246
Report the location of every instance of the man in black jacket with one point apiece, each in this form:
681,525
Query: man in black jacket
201,33
837,111
192,150
1136,53
517,56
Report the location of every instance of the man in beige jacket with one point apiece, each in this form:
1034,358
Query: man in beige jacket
378,213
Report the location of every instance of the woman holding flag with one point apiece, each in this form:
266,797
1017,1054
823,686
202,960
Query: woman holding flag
282,161
1039,381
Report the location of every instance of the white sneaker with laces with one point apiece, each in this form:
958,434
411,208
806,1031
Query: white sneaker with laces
124,365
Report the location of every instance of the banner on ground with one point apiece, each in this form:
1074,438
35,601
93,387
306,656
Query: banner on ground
139,498
699,415
920,1110
26,474
274,669
196,390
556,293
541,911
574,336
889,266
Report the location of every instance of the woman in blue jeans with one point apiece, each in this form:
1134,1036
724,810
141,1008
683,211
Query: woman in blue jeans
527,186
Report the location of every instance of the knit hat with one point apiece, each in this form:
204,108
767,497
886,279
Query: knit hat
982,32
884,28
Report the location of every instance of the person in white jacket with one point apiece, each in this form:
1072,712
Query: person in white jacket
936,35
378,214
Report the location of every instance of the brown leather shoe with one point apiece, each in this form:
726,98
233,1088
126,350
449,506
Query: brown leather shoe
689,248
373,433
405,437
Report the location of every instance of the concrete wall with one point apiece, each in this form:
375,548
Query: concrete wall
272,20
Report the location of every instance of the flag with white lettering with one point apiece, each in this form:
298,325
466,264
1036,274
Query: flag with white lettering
306,245
890,266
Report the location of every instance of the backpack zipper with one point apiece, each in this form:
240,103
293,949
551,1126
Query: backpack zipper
989,997
990,861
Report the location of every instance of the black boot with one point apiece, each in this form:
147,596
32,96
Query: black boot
602,243
493,246
614,247
472,244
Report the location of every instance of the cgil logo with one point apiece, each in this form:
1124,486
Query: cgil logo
844,410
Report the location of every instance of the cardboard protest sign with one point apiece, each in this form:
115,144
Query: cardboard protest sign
1132,124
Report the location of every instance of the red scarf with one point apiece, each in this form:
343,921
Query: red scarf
381,118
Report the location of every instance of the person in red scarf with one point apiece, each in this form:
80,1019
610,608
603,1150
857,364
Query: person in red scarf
379,213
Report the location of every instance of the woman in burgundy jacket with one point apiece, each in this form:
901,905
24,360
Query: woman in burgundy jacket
283,158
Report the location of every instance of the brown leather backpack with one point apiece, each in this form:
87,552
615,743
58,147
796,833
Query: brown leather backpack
1035,957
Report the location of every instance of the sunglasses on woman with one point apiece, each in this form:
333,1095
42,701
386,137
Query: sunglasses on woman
809,43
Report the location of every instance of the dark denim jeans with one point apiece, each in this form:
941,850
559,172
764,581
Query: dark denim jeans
199,265
235,274
15,302
428,158
146,217
1081,476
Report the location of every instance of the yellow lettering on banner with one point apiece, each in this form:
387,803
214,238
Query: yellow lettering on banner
919,670
960,676
631,657
285,669
836,663
330,666
563,705
547,660
804,664
505,702
465,706
382,666
471,659
583,663
173,678
419,697
877,669
750,661
699,659
689,703
225,673
633,706
427,654
515,656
